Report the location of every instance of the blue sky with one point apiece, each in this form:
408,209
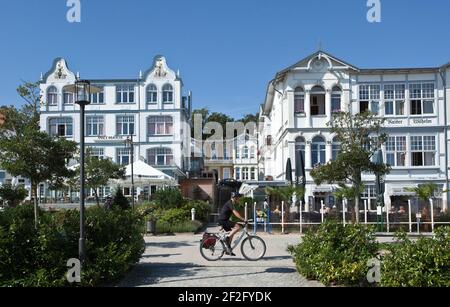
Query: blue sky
227,51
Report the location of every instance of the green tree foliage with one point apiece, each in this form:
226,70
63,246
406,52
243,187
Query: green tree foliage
169,198
425,192
286,193
25,151
98,173
360,136
12,195
120,200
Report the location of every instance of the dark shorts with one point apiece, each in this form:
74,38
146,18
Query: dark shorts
227,225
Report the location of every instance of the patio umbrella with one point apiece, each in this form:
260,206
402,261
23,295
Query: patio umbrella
289,171
300,173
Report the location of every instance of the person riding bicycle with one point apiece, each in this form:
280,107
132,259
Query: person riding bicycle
224,219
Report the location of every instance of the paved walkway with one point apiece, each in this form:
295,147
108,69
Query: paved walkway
175,261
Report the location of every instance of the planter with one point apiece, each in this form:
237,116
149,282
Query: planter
151,227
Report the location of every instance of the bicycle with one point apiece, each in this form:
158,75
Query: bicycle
213,245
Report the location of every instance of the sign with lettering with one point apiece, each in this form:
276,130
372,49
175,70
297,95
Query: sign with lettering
110,139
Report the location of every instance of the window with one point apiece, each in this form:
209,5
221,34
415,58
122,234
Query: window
253,173
336,148
152,94
369,98
318,151
167,93
62,126
95,125
2,177
125,125
394,97
160,125
123,156
238,153
238,173
245,173
68,97
396,151
299,100
96,152
336,97
252,152
52,96
300,146
125,93
317,101
245,152
226,173
423,150
422,98
370,196
98,98
160,157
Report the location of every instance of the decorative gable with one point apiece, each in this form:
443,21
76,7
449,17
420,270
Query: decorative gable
160,70
59,73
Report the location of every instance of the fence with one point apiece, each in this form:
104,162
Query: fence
286,218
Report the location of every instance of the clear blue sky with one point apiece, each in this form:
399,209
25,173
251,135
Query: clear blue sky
227,51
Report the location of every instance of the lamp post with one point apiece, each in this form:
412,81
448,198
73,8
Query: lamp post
129,142
82,98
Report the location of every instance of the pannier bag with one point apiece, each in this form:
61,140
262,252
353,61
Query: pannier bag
209,240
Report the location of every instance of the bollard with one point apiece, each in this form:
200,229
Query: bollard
301,217
282,217
432,215
365,211
322,210
344,205
193,214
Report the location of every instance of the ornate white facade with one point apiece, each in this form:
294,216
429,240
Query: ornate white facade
300,102
151,107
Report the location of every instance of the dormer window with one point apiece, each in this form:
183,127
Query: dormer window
168,93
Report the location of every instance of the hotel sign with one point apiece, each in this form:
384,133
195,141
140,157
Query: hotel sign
411,122
110,139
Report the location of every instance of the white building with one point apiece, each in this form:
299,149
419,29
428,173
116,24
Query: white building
245,158
150,107
301,99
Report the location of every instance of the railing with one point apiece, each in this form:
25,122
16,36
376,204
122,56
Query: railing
297,219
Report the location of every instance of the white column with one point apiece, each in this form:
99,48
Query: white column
328,105
308,162
308,108
329,152
290,109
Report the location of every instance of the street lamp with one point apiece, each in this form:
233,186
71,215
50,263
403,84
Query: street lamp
82,91
129,142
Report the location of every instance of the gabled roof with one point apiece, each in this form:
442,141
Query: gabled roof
317,54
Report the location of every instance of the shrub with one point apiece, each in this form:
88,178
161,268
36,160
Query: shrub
120,200
202,209
175,215
335,254
13,196
425,263
182,227
32,257
169,198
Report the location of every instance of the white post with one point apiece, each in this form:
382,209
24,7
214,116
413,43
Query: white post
432,215
387,217
193,214
282,217
409,213
365,211
301,217
344,209
322,210
246,212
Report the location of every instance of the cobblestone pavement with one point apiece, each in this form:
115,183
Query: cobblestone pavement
175,261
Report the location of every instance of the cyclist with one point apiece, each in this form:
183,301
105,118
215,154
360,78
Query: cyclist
224,219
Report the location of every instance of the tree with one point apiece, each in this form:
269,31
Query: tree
98,173
31,94
25,151
286,193
120,200
13,195
425,192
360,136
250,118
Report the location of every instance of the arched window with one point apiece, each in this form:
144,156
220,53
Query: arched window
167,93
336,98
317,101
52,96
300,146
318,151
336,148
299,100
68,97
160,156
152,94
252,152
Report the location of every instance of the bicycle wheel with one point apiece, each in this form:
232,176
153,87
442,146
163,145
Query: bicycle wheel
253,248
213,253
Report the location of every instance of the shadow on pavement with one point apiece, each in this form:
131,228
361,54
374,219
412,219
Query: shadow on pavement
169,244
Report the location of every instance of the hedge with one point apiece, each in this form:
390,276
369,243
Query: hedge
38,258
